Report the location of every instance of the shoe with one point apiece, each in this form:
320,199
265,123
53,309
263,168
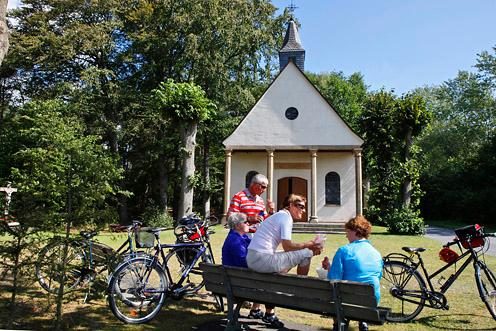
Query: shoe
335,326
362,326
273,321
255,314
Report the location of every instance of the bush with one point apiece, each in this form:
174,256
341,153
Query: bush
405,221
154,217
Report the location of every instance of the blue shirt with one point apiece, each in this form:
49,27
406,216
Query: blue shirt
358,261
235,249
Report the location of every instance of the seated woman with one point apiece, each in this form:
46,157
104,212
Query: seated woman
358,261
234,253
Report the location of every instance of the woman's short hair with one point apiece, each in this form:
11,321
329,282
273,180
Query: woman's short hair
293,199
235,218
360,225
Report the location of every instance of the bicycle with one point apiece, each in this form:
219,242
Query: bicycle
85,259
407,291
139,287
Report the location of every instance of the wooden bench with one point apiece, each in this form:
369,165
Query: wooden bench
343,300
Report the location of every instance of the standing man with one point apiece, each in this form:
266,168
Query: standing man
250,202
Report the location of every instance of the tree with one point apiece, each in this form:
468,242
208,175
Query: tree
4,30
64,176
346,94
187,105
390,125
464,123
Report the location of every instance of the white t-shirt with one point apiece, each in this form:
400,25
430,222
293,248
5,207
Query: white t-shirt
271,232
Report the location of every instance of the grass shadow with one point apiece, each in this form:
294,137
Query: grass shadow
454,321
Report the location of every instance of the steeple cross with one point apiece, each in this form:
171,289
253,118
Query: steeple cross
292,8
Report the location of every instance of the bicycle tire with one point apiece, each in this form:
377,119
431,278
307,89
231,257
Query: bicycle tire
486,284
137,290
179,259
402,290
49,265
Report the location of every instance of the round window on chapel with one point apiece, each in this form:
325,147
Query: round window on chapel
291,113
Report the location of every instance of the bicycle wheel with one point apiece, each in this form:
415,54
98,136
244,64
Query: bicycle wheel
403,290
137,291
486,283
50,266
179,260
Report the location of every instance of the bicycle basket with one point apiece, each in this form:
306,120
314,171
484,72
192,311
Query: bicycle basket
448,255
101,253
471,235
145,239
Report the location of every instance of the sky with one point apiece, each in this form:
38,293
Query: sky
395,44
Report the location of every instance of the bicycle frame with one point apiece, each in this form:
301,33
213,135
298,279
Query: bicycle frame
176,288
470,256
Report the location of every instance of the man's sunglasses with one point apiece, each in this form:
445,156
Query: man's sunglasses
300,205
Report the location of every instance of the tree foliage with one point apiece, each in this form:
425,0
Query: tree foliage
389,126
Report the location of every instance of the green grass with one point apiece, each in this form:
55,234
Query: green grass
466,309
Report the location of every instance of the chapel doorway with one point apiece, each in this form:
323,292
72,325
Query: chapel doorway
295,185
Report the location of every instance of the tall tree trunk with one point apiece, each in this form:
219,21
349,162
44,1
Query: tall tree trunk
406,190
206,177
4,30
163,183
188,136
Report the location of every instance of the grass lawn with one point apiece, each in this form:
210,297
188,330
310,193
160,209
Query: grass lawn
466,309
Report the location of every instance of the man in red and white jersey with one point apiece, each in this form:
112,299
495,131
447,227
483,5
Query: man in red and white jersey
249,202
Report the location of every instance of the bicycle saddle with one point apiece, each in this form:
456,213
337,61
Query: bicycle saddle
413,249
88,234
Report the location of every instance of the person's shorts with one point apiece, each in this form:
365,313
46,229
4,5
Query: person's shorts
279,261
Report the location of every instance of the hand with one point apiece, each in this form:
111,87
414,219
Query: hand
260,218
317,250
271,205
325,263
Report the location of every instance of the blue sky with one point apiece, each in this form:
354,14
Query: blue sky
396,44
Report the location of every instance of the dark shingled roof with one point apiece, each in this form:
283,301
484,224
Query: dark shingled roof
292,40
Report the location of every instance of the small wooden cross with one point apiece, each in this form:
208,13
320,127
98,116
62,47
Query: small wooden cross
8,196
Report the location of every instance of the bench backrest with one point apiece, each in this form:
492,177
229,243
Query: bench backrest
353,300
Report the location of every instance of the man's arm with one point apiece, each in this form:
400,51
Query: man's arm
289,245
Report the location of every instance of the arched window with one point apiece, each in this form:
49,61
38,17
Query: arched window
332,188
249,176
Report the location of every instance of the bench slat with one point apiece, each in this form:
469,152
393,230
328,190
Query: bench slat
356,293
299,290
293,280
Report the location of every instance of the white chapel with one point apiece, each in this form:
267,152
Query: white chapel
294,137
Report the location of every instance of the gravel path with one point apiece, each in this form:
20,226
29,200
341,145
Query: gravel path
444,235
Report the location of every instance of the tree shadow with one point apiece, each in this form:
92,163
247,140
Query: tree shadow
450,322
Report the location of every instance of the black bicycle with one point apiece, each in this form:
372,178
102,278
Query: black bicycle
407,292
139,287
85,258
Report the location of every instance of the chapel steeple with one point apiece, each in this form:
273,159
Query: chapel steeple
291,49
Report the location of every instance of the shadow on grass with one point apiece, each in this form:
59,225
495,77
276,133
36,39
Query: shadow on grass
457,322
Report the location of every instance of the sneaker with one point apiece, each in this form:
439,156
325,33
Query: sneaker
273,321
362,326
255,314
